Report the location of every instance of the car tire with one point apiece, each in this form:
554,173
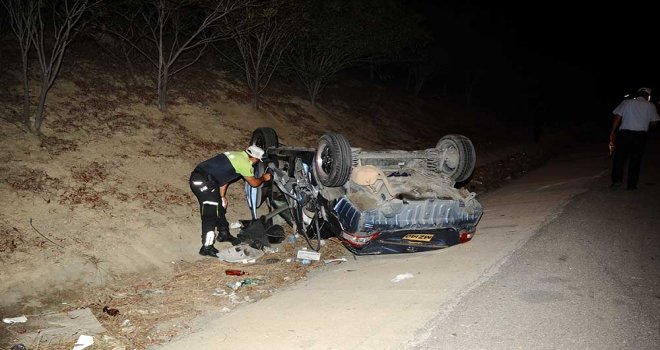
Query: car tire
333,160
459,156
265,138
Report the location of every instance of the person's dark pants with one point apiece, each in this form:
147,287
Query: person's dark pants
207,192
629,148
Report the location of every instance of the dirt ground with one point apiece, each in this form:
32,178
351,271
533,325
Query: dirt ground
97,212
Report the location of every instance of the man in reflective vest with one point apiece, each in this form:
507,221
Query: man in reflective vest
209,182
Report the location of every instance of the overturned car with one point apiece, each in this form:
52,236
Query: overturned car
374,202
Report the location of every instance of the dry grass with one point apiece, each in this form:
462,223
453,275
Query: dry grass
159,310
27,179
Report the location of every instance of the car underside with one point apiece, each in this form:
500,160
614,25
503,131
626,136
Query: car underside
374,202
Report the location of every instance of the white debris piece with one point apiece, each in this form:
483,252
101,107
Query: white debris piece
19,319
401,277
83,342
236,224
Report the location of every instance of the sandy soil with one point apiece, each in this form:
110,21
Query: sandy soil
97,210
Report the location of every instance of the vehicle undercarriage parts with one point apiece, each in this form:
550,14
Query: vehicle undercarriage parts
372,178
375,202
453,157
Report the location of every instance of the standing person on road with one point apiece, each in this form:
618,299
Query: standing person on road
209,182
632,118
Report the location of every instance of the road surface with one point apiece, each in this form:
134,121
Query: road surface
538,274
588,280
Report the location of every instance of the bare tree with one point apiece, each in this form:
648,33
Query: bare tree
262,34
115,33
315,65
21,14
65,17
166,36
336,34
472,77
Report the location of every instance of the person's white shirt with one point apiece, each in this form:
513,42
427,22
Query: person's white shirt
636,114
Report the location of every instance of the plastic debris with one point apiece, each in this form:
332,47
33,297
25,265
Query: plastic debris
18,347
11,320
293,238
234,285
304,261
219,292
83,342
309,255
402,277
270,250
330,261
236,224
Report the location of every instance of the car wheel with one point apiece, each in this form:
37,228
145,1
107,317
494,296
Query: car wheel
264,138
459,157
333,160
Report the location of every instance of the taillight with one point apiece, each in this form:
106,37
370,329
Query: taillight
465,236
358,241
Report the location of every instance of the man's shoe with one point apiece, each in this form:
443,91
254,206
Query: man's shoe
208,250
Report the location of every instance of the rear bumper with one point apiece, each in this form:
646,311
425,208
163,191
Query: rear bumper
384,230
395,242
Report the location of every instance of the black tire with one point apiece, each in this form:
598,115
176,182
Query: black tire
460,157
264,138
333,160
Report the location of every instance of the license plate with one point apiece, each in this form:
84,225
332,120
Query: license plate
420,237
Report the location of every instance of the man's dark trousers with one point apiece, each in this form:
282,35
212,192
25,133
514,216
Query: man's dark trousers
629,147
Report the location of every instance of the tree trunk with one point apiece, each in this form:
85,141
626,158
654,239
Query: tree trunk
418,85
162,92
255,99
26,92
314,90
38,116
129,64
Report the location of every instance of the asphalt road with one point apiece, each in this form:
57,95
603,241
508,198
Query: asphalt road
590,279
558,262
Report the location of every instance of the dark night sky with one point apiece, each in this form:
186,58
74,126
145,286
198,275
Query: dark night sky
568,55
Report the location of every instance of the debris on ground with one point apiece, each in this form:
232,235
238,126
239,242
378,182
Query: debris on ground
402,277
12,320
308,254
330,261
240,253
110,311
59,327
83,342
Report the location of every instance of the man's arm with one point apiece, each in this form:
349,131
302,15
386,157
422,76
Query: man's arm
615,125
257,181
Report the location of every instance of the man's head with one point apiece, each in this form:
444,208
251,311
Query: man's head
644,92
255,153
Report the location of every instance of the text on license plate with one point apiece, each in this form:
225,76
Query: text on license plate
421,237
